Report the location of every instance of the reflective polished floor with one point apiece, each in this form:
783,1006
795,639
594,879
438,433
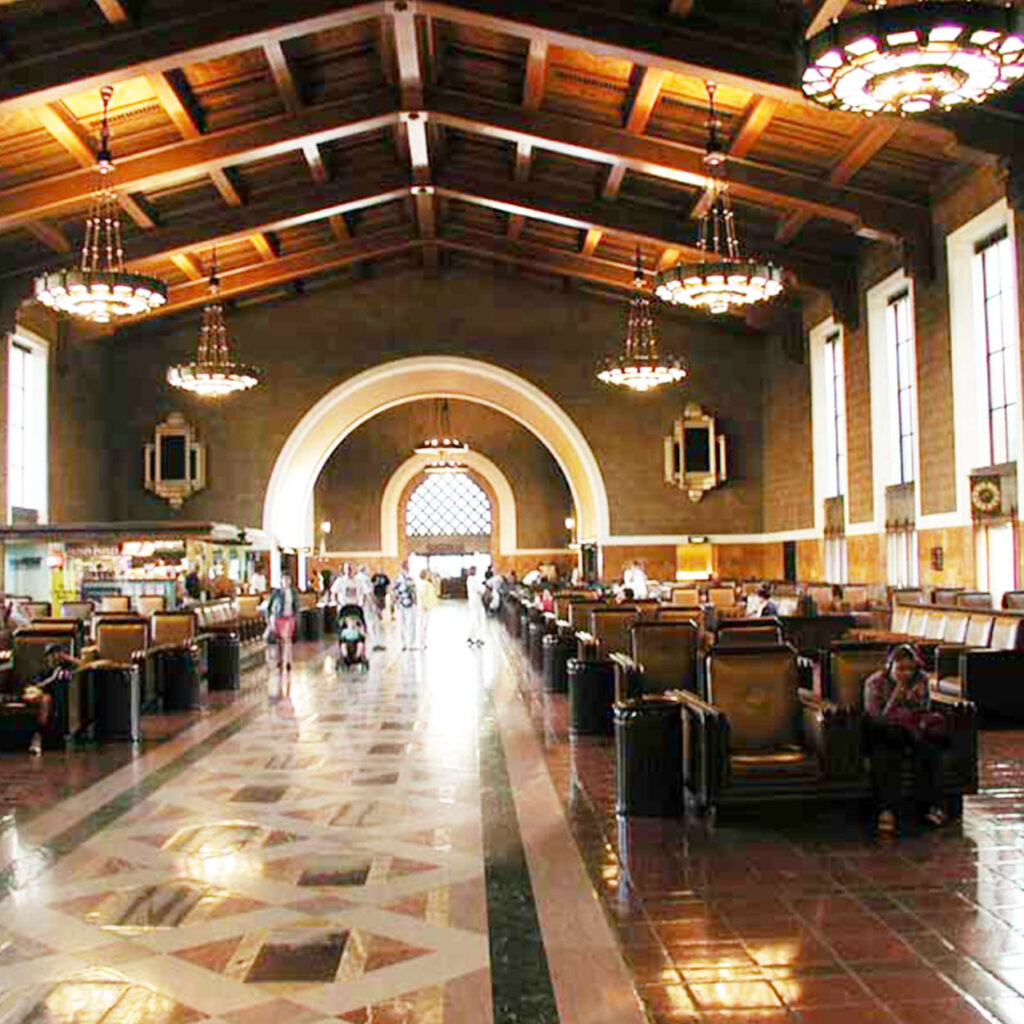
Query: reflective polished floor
423,843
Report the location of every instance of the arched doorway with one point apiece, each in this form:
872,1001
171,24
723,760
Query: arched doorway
447,525
288,507
504,532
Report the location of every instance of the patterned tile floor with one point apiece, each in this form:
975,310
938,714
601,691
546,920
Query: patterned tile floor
352,852
804,920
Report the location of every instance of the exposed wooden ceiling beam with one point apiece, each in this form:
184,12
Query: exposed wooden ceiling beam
225,186
188,265
634,225
178,109
756,119
756,182
216,31
50,235
289,268
591,241
114,11
645,99
282,75
516,223
854,157
186,160
410,82
62,126
536,75
339,228
175,105
264,246
680,8
824,15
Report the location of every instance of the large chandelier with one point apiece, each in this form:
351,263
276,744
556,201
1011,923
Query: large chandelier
446,451
640,366
721,278
213,374
100,289
916,57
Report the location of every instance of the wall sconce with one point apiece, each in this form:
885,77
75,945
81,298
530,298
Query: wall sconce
570,525
325,529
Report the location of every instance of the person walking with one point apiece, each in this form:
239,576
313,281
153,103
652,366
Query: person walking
475,595
371,608
404,592
426,600
282,612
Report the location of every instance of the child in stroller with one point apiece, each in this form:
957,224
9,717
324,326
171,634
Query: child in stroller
352,637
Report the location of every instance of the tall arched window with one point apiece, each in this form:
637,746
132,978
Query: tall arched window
448,505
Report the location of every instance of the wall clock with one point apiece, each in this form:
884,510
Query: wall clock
986,495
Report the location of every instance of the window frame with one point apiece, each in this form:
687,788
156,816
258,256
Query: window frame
34,428
436,482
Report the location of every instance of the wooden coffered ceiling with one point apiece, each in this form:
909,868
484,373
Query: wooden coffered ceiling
303,137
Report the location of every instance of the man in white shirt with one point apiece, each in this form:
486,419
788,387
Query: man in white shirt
475,593
345,589
533,577
636,580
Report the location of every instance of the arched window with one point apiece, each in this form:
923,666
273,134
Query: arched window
448,505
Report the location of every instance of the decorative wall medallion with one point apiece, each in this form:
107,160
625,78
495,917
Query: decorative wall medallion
175,461
695,453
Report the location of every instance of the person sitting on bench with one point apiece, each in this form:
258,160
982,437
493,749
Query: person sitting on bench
900,722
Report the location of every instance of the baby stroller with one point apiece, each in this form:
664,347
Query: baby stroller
352,637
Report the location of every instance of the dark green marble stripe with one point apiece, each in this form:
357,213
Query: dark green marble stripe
28,867
520,979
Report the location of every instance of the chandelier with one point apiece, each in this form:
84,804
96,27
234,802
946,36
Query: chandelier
916,57
640,366
213,374
444,448
721,278
100,289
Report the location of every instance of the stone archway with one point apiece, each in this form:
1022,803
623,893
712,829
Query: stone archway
288,506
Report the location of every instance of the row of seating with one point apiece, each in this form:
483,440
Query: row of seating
131,664
760,721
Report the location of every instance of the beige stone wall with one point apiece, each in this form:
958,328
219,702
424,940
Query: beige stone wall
312,343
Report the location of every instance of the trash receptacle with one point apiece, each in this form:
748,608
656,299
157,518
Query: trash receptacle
115,702
330,620
591,696
649,757
224,668
178,679
311,624
557,652
538,630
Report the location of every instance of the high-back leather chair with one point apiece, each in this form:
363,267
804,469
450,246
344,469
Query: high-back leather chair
849,664
120,639
149,603
115,603
722,597
667,654
610,627
685,597
37,609
28,661
748,632
175,660
579,613
83,610
1013,600
955,631
946,595
974,599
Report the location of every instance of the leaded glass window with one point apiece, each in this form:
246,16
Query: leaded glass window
448,505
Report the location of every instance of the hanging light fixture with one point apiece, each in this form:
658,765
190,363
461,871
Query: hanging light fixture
721,278
640,366
916,57
213,374
100,289
444,448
